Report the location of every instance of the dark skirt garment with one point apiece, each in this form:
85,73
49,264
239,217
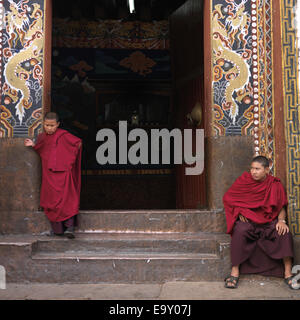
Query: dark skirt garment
258,248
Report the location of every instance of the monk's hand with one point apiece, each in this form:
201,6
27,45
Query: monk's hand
282,228
28,143
242,218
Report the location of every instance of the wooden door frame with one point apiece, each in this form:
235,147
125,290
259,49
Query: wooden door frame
279,132
207,51
47,56
280,168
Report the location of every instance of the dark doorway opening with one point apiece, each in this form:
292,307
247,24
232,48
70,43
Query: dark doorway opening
108,66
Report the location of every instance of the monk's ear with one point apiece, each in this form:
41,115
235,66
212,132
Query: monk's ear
267,170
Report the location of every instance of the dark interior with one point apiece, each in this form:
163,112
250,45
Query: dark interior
126,75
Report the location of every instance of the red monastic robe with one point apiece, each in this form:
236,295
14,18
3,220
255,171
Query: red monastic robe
258,201
61,174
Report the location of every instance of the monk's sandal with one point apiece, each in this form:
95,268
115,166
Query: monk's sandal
231,282
290,283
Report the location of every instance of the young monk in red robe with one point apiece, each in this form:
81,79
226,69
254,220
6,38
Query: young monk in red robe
256,220
60,154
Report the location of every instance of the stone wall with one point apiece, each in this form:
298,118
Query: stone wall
226,158
20,173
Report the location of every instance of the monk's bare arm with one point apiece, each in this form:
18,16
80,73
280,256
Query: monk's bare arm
282,214
281,225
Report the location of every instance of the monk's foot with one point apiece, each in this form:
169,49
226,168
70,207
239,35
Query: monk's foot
231,282
70,233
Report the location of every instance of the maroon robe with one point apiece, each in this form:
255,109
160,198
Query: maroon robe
61,174
256,245
258,201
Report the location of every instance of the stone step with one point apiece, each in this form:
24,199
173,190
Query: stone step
95,267
128,243
115,258
35,222
152,221
134,268
96,255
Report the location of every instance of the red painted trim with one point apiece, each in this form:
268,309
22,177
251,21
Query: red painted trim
47,56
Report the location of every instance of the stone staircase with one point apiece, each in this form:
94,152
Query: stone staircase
121,247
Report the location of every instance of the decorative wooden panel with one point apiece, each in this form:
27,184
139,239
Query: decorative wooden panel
186,32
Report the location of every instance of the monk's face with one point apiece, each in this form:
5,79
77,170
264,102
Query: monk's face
50,126
258,171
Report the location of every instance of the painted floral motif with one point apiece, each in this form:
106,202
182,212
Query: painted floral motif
138,63
111,34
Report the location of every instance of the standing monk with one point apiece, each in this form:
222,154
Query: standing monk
60,153
256,220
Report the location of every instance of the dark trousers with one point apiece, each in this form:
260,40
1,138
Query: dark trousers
61,226
259,248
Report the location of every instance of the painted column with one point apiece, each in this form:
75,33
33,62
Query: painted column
255,84
290,63
22,67
242,91
242,71
22,102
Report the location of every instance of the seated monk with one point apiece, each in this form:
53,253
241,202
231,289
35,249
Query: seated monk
256,220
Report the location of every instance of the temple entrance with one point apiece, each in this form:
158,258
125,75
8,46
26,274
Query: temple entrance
144,69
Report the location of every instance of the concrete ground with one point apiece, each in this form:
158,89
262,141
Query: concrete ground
249,289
